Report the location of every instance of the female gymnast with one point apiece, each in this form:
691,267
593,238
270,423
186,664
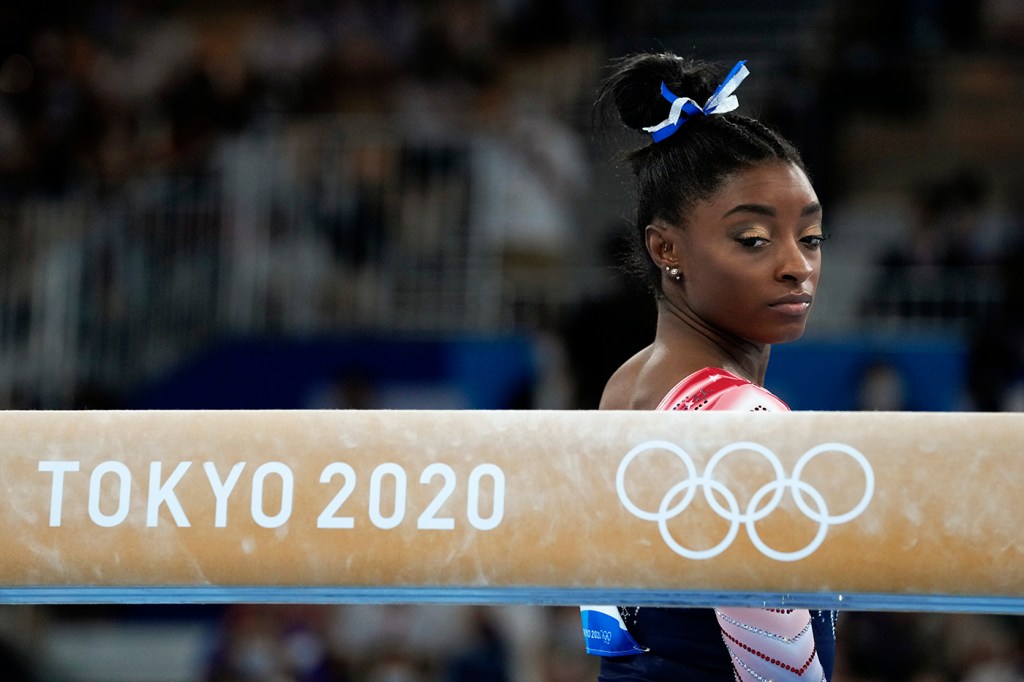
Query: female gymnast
728,235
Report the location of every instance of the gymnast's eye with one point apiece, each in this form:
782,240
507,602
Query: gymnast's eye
815,240
752,242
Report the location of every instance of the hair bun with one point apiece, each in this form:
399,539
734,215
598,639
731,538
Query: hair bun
634,86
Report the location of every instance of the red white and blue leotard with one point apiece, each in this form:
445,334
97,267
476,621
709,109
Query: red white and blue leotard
717,389
674,643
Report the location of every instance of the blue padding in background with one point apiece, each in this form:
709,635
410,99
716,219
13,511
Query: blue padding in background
826,374
390,372
468,372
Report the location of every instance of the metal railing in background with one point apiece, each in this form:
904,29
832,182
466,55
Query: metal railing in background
325,227
955,298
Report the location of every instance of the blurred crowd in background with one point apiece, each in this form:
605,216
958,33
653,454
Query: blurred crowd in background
176,174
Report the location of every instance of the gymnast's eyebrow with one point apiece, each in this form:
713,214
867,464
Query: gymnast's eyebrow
760,209
812,208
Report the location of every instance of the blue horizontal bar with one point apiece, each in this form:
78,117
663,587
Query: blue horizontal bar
541,596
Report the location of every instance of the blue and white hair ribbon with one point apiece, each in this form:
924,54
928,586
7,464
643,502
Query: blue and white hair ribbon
722,101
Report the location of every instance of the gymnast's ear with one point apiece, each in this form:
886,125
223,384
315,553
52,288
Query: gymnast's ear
662,244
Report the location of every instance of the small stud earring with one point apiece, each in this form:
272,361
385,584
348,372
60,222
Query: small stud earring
673,272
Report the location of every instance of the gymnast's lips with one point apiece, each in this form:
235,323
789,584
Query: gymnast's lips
793,304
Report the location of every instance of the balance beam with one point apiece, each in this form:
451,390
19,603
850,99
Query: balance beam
872,511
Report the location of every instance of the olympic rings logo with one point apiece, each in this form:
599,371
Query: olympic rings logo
762,503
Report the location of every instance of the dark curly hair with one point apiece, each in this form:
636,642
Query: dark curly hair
690,165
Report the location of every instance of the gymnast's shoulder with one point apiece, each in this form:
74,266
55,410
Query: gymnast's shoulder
643,380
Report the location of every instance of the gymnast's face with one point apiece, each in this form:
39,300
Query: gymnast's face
750,255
